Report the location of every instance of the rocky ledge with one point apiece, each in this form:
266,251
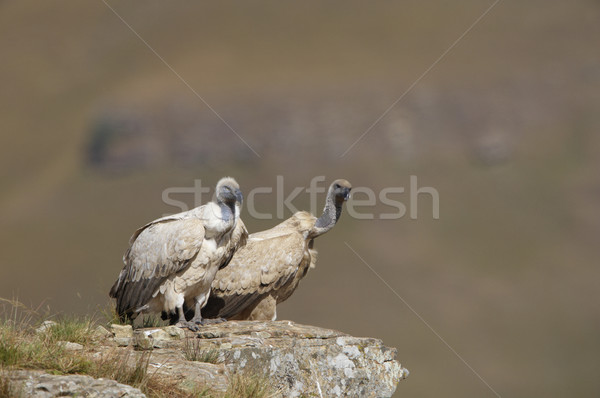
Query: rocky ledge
297,360
34,383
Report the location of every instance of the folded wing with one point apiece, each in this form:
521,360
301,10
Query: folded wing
157,250
257,269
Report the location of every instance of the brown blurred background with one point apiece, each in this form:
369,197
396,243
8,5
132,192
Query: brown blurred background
94,127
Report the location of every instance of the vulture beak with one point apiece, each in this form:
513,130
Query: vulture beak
238,196
347,193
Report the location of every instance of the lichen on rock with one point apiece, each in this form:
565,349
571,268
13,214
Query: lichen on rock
294,360
307,360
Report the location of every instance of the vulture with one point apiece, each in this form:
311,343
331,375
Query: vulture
267,270
173,260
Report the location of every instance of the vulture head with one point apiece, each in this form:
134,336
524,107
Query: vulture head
338,193
340,190
228,192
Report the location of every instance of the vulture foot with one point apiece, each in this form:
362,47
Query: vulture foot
189,325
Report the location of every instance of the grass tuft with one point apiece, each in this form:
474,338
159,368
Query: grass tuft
117,367
249,386
22,347
193,352
31,351
72,329
16,314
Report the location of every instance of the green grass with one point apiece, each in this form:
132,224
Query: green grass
24,349
22,346
72,329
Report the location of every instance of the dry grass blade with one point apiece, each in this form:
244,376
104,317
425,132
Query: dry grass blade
249,386
192,351
72,329
29,351
117,366
23,347
13,312
109,315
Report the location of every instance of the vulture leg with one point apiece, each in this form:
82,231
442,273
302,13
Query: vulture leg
197,319
182,323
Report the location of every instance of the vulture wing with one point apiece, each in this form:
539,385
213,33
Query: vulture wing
260,267
157,250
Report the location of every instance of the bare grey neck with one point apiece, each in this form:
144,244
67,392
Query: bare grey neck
227,211
331,214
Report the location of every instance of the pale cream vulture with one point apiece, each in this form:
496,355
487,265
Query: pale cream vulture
268,269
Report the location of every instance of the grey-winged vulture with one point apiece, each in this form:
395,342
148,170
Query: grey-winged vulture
173,260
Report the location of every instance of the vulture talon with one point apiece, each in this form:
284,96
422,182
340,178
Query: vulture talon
188,325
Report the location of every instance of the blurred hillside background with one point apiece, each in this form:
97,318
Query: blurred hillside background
94,127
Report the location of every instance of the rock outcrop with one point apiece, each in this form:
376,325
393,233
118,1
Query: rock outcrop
307,360
295,360
36,384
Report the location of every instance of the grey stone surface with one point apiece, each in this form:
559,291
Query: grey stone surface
157,337
121,331
45,326
306,360
101,332
70,346
123,341
37,384
171,363
123,334
296,360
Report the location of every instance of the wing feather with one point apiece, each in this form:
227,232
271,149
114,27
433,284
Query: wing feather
256,269
157,250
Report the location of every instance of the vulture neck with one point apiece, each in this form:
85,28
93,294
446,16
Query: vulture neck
228,212
218,219
331,214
